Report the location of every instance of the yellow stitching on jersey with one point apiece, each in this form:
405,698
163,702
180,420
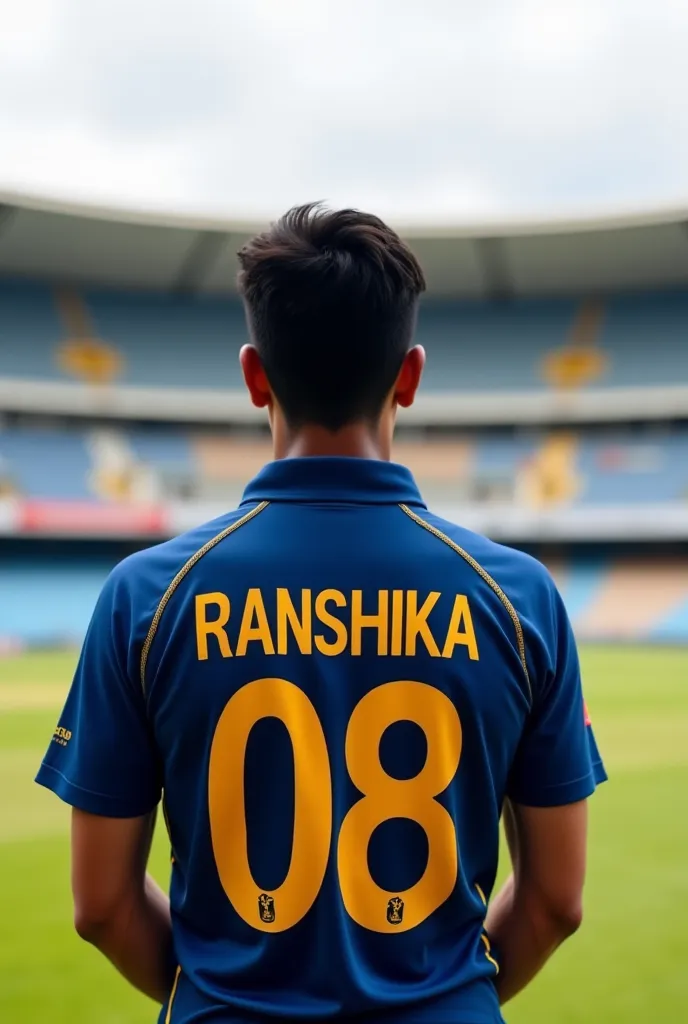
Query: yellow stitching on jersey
185,569
488,953
165,815
483,935
168,1015
496,589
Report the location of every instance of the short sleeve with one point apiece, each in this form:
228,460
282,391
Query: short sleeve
102,757
557,761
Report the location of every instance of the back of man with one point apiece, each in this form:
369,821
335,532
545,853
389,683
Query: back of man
338,696
337,692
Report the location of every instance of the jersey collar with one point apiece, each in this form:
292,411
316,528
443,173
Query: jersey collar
352,481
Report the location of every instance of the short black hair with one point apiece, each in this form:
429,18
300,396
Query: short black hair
331,298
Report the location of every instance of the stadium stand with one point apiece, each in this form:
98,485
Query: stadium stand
48,589
539,469
554,413
613,468
626,599
44,603
160,340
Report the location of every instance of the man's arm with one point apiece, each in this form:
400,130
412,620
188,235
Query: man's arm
540,904
117,906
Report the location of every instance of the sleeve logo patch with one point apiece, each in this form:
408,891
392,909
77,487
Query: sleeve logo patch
62,736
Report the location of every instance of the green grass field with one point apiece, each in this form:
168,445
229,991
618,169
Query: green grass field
628,964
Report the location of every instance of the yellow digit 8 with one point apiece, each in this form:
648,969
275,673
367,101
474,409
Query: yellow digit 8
282,908
385,797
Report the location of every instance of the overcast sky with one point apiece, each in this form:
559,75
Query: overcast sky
435,110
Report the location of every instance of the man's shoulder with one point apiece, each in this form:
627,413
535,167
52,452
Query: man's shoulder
524,580
147,574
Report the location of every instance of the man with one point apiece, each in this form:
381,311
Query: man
338,694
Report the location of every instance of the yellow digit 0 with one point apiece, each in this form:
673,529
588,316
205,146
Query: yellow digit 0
281,908
385,797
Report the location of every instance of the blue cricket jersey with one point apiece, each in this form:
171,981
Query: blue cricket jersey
333,691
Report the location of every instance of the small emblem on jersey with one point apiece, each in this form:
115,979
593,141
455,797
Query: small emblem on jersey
266,908
395,910
62,736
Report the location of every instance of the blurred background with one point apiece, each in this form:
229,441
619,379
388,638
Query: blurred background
531,155
548,417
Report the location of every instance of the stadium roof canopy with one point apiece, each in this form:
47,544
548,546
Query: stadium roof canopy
117,248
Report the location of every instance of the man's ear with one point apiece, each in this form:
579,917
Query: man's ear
255,377
409,377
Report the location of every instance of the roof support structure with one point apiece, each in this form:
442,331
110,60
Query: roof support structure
494,266
199,261
7,214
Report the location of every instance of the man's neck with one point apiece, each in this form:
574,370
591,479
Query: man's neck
356,442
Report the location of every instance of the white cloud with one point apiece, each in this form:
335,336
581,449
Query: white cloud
62,163
441,110
28,32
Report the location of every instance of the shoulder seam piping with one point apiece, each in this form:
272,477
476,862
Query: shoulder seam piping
170,1002
183,572
485,576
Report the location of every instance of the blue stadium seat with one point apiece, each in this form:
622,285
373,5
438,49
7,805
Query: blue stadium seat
646,337
625,468
172,341
579,583
480,347
168,449
674,627
47,602
29,331
44,463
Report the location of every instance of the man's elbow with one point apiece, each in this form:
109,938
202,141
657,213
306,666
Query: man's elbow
93,926
564,918
556,917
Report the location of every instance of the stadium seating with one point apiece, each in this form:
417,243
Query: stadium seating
44,463
626,599
49,599
541,470
154,340
29,331
161,340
